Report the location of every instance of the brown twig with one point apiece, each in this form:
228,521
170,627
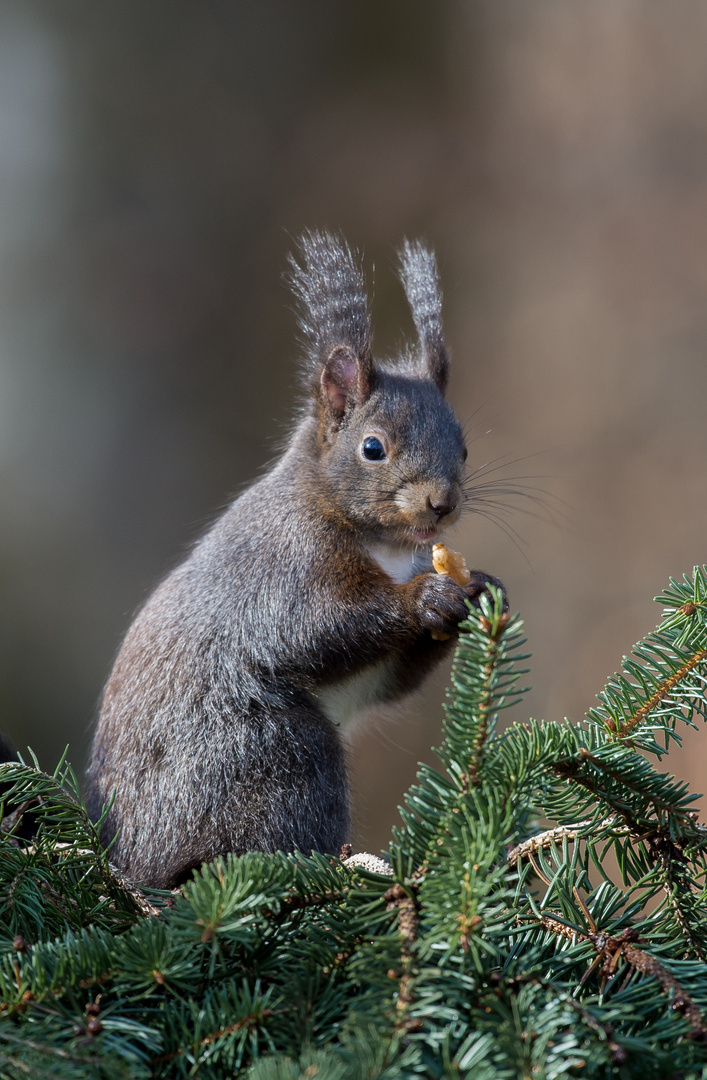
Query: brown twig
9,821
408,924
247,1021
571,769
550,837
134,892
662,691
604,1031
661,848
485,704
613,949
671,889
483,721
295,903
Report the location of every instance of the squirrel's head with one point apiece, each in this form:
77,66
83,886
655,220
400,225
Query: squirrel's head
391,452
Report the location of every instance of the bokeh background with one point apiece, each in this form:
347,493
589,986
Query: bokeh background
155,161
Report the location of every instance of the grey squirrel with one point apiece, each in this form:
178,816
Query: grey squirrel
310,599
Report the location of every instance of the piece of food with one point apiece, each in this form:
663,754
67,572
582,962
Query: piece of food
446,561
453,563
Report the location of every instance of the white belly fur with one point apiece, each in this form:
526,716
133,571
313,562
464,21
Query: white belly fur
401,564
343,701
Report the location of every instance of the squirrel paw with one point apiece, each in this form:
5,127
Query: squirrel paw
443,602
479,582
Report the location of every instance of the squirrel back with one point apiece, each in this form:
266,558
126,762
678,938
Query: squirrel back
310,599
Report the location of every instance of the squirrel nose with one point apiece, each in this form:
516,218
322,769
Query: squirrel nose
440,508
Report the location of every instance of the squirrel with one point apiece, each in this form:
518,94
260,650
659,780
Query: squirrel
310,599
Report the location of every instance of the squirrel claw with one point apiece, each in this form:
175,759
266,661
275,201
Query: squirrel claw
479,584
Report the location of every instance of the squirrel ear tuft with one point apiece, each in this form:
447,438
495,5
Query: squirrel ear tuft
418,273
343,377
328,281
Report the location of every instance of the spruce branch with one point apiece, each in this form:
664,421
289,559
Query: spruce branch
485,944
659,695
665,678
610,950
407,907
553,836
679,889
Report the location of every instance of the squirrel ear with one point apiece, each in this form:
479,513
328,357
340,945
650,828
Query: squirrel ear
418,273
344,376
328,281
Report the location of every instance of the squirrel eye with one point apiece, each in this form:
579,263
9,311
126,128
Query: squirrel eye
465,454
372,449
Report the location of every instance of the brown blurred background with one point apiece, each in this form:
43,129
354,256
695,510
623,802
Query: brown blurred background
155,160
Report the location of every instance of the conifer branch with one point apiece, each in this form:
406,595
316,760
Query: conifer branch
494,628
669,816
247,1022
612,949
270,967
678,890
553,836
408,924
623,730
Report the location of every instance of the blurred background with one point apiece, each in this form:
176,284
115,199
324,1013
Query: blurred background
155,161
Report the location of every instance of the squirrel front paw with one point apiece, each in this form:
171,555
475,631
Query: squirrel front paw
442,603
479,583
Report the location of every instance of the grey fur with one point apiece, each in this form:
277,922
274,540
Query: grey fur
216,730
420,278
